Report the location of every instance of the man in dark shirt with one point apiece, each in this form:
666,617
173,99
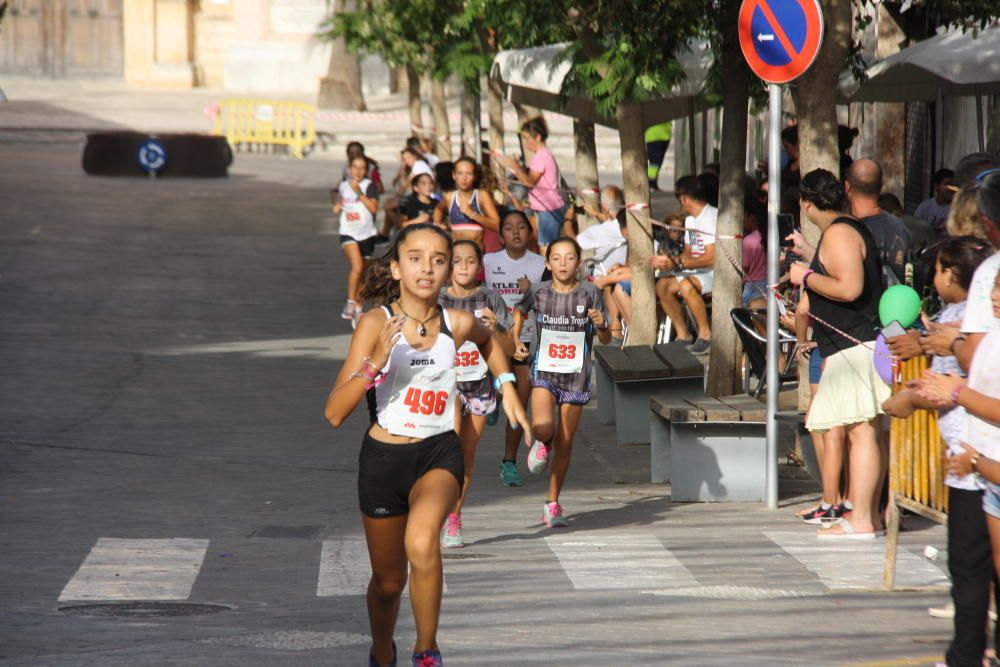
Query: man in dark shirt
864,184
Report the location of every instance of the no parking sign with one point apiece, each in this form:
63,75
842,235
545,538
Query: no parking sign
780,39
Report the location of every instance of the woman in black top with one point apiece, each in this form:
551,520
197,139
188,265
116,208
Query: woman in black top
843,284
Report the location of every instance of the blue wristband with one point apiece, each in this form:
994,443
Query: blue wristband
501,379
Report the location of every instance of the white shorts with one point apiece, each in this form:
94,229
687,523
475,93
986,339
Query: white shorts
704,277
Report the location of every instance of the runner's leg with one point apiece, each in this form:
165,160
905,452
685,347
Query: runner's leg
542,405
430,499
569,419
353,253
512,437
469,435
388,559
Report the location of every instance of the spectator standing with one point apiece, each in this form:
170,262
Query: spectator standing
864,184
542,176
969,555
844,285
934,210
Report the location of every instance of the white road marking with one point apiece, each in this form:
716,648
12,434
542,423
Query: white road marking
344,568
119,569
849,564
599,561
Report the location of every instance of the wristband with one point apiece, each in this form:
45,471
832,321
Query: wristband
951,348
955,392
501,379
805,277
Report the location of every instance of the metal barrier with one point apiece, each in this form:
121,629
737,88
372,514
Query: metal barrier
248,121
916,469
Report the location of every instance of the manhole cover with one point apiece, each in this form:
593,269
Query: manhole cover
288,532
464,555
144,609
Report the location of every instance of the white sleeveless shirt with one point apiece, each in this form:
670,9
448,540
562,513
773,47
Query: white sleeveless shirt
356,220
416,398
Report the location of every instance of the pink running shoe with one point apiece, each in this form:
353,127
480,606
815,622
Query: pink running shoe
552,516
451,535
538,457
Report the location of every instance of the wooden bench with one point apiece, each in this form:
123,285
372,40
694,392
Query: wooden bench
627,377
709,449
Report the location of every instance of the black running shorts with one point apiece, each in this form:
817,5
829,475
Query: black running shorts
387,472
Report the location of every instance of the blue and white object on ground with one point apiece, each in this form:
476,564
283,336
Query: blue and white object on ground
152,156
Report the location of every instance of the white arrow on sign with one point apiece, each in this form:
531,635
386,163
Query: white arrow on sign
761,37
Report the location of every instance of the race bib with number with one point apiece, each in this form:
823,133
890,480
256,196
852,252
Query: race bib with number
422,404
469,363
561,351
353,218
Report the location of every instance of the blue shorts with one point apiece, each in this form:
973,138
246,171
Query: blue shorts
626,286
755,289
991,499
550,225
815,366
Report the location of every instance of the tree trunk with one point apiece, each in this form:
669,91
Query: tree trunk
470,108
494,108
413,100
815,95
724,362
439,110
890,118
631,132
395,76
341,87
587,181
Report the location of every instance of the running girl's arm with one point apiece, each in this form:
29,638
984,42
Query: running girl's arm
599,316
490,217
515,330
373,339
370,202
466,327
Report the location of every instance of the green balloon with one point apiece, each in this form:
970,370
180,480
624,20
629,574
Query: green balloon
899,303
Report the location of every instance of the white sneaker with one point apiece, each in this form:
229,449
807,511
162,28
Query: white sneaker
538,457
945,611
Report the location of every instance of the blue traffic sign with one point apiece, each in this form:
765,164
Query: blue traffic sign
780,39
152,156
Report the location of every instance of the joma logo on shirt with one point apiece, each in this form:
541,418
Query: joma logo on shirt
422,362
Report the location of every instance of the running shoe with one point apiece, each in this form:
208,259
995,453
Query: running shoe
493,417
700,346
552,516
451,534
359,310
820,516
538,457
372,662
947,611
509,474
427,659
348,312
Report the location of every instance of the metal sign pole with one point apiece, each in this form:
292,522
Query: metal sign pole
773,251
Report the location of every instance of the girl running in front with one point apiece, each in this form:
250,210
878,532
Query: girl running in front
475,384
410,474
356,204
469,209
567,313
509,273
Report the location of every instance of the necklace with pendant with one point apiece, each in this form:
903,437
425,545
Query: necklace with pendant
421,325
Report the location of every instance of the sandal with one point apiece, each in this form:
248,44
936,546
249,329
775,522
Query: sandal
847,532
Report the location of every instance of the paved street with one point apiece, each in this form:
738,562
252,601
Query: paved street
166,349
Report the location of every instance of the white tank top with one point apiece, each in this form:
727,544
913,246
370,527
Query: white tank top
416,398
356,220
